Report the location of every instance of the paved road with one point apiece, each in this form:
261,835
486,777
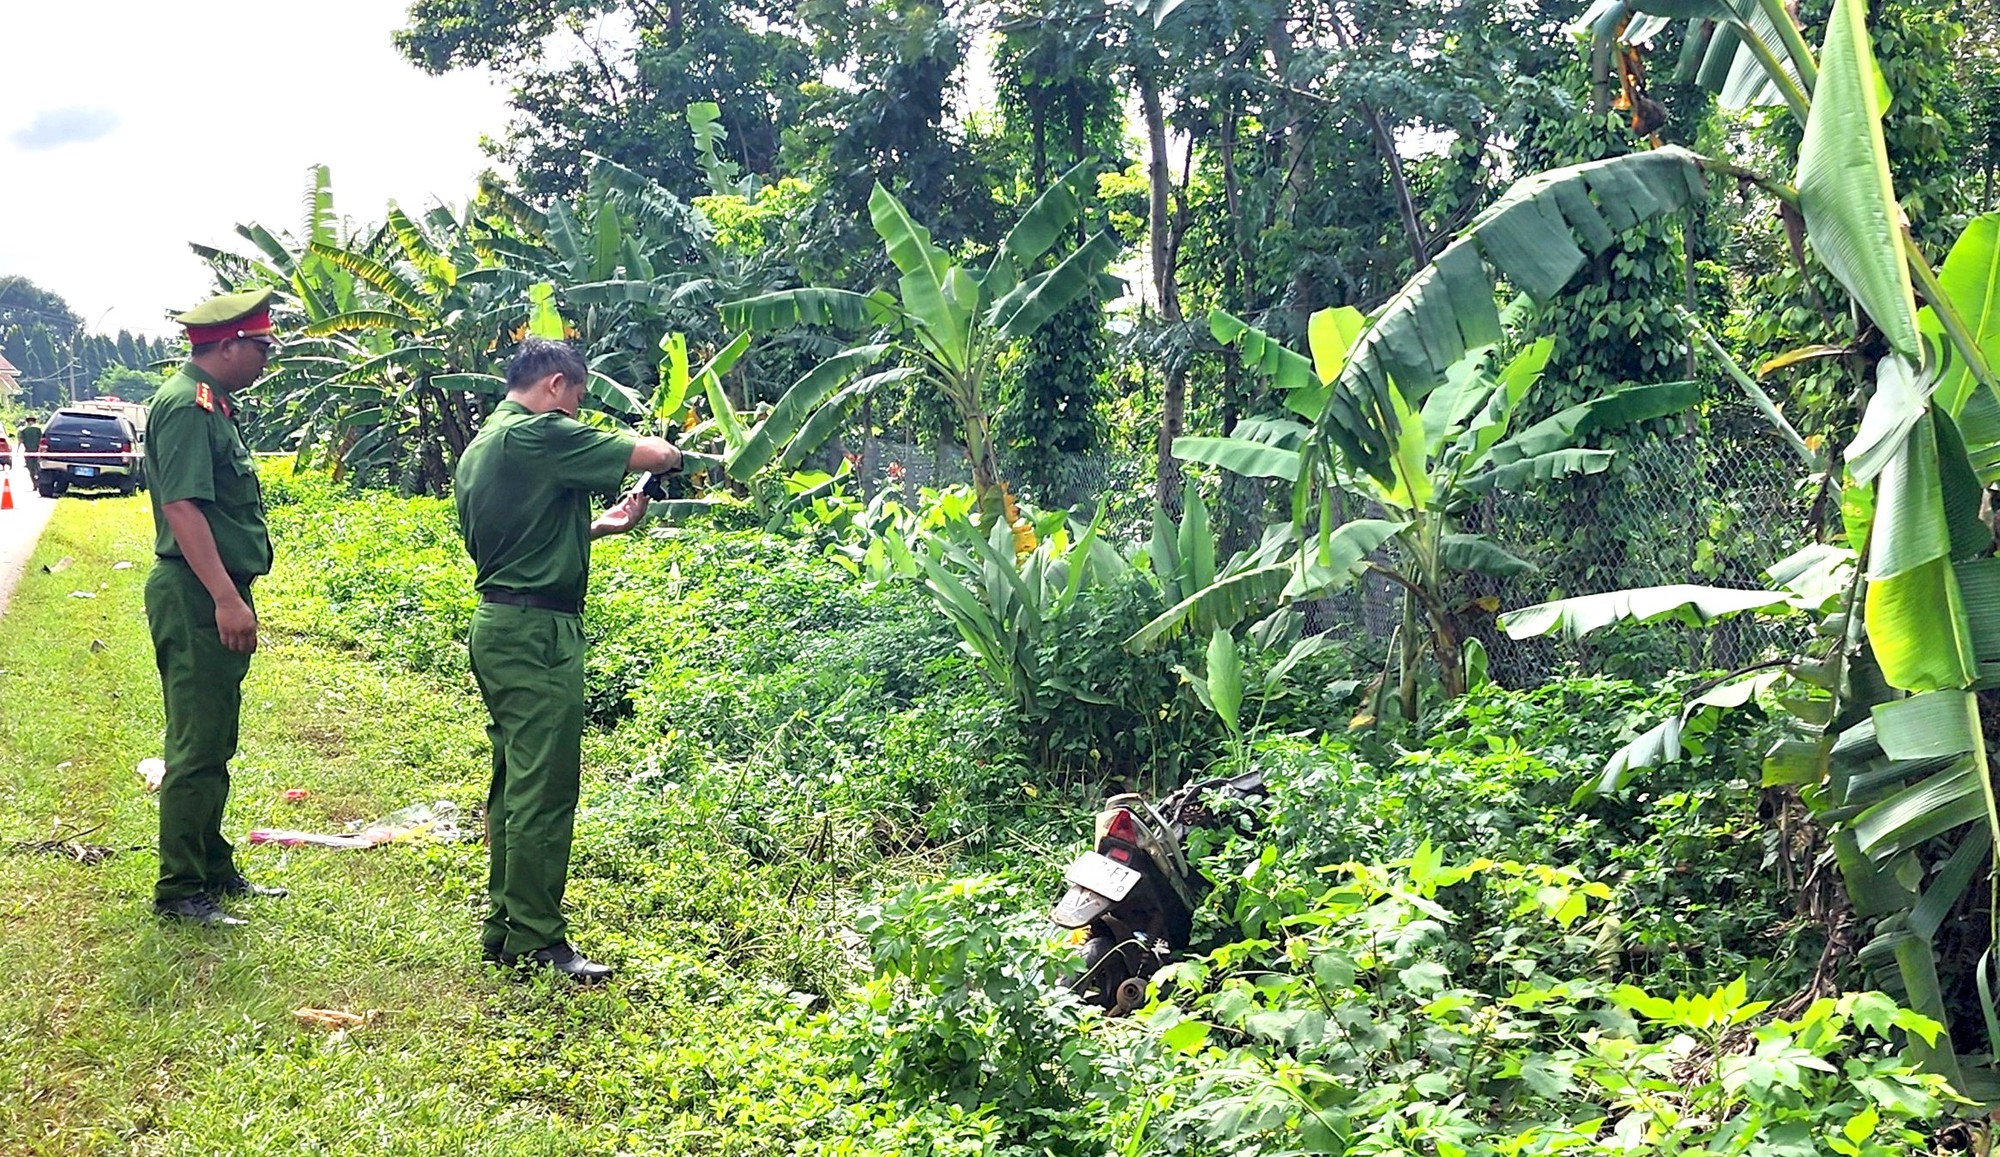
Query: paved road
19,527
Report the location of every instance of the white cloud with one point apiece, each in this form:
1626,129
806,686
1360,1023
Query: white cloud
177,121
64,126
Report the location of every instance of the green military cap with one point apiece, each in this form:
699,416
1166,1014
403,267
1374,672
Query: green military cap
243,314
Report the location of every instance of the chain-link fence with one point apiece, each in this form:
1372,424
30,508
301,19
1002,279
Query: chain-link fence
1713,506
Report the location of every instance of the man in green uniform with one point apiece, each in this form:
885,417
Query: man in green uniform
30,437
208,520
524,488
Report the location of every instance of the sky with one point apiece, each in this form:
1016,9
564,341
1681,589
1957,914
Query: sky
129,129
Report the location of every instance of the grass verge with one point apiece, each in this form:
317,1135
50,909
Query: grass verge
121,1034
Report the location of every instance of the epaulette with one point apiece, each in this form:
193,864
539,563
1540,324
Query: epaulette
203,397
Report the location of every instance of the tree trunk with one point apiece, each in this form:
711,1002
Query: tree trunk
1173,405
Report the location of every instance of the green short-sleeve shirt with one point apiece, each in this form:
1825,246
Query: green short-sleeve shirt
524,488
195,452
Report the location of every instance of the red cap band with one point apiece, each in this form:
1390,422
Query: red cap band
250,325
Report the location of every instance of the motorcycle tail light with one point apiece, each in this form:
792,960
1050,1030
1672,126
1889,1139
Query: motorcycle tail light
1122,829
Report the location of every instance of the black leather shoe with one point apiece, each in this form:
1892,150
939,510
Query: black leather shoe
495,956
564,959
236,887
199,908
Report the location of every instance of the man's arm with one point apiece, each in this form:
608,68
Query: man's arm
234,620
654,454
628,512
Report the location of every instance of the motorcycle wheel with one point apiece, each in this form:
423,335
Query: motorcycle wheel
1104,969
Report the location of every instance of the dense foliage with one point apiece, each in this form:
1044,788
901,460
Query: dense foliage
1414,945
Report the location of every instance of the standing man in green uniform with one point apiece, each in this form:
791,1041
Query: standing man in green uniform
208,520
30,437
524,488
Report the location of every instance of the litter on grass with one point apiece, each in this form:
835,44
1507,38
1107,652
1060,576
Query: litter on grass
437,822
69,846
152,771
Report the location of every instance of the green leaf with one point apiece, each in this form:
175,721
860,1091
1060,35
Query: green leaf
613,395
1476,553
839,308
1187,1037
1042,296
1240,456
1197,545
544,319
1694,605
1893,411
1335,559
1223,603
674,376
1410,487
1938,723
1971,279
1931,807
1288,370
908,243
1225,678
1045,222
831,414
796,406
377,276
1846,192
1521,474
1915,616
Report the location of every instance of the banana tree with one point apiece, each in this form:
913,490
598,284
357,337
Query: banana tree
1888,748
1450,453
953,319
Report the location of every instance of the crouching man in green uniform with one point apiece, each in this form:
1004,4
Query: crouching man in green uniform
208,531
524,488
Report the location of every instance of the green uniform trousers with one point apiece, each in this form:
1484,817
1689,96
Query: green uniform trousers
529,665
202,683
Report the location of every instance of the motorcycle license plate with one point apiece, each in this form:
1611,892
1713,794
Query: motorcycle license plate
85,471
1102,875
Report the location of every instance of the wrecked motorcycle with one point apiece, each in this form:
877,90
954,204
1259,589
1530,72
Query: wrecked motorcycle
1135,892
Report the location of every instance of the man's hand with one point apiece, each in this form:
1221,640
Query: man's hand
237,624
625,515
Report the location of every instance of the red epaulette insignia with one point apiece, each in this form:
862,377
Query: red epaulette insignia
204,398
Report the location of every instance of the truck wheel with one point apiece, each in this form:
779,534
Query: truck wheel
47,486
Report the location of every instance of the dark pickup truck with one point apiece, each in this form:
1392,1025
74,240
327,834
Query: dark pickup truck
89,448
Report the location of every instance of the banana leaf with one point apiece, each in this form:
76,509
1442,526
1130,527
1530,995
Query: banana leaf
1036,300
1846,193
379,277
1971,279
1045,223
1240,456
1916,619
1537,236
1681,602
840,308
796,406
1541,468
1481,555
420,250
1255,581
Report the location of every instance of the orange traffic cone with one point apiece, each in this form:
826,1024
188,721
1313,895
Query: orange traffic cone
6,493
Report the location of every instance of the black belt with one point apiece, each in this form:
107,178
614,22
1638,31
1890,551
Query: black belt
241,580
524,599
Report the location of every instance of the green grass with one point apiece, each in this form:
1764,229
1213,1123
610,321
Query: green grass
120,1034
